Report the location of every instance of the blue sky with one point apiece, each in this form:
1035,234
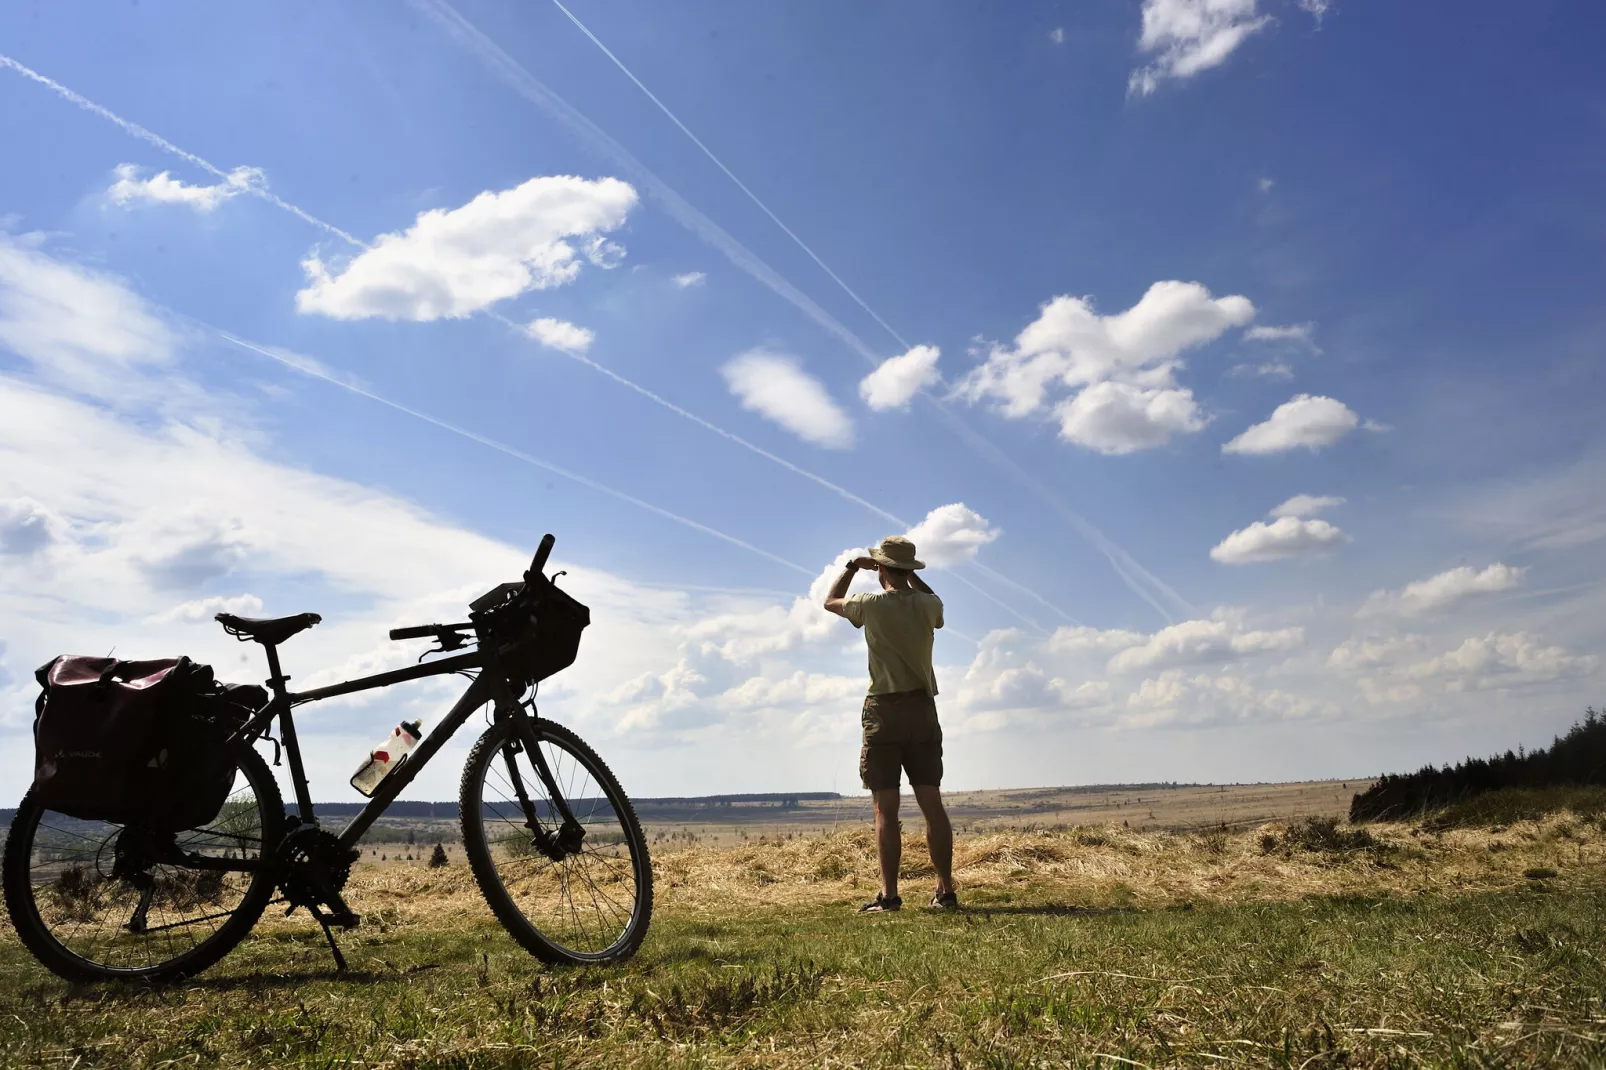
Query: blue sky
1236,362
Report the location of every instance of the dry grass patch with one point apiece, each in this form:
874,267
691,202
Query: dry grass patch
1086,947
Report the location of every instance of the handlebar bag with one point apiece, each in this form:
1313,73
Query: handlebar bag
134,742
551,641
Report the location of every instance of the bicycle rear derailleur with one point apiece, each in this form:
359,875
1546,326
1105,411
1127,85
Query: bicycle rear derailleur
314,866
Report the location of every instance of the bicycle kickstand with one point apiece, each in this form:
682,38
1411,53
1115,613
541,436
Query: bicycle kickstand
324,921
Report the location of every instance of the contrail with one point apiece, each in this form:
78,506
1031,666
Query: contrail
162,143
504,66
167,146
307,369
314,371
834,488
522,82
741,256
801,244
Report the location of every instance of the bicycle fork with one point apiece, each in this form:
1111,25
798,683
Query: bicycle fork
566,840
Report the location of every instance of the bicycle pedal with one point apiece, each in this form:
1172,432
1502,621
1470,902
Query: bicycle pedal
346,919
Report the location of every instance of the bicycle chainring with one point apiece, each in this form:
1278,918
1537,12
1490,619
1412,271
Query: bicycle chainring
315,866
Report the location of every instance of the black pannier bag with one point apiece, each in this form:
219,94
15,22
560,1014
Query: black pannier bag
136,742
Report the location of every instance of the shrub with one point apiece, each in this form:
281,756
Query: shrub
1576,759
1320,834
438,858
1509,805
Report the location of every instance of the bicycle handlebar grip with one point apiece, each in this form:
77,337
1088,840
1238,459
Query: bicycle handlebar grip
542,552
420,631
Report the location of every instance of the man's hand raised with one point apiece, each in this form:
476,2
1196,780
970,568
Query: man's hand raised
865,562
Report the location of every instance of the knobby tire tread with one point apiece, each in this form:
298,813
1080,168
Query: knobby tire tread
475,847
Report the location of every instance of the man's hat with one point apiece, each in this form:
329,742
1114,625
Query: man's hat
895,551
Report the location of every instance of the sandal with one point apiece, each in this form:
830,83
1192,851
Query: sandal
945,901
882,904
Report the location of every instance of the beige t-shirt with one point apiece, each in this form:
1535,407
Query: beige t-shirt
897,629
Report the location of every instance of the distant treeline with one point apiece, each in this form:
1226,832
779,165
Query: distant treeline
407,809
1575,759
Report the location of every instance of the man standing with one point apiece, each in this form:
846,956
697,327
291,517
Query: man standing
900,715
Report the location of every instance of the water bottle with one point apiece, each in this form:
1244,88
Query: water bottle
387,756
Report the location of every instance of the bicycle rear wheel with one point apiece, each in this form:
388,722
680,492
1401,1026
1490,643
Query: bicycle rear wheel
96,901
588,900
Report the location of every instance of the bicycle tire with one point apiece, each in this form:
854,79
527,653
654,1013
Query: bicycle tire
17,875
472,810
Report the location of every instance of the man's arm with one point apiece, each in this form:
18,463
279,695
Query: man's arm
835,598
920,585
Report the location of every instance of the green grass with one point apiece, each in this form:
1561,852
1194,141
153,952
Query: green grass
1506,978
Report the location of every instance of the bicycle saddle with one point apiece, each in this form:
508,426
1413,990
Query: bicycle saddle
269,631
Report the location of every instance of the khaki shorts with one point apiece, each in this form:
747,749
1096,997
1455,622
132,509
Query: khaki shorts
901,733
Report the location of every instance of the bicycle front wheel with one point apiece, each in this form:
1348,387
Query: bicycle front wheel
581,897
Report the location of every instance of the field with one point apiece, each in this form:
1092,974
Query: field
1146,806
1293,943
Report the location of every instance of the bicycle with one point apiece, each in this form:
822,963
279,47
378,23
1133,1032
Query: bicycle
553,842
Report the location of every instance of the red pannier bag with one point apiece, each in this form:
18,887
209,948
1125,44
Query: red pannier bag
133,742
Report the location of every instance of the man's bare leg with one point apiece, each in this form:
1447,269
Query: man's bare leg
939,834
888,839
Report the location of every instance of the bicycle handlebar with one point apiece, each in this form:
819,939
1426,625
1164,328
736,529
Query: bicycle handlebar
541,553
425,631
442,631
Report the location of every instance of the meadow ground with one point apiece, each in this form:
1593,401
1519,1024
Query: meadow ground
1306,944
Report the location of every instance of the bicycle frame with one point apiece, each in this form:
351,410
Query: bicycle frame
488,686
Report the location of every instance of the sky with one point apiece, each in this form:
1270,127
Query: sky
1236,366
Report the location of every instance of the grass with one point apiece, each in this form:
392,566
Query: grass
1292,946
1510,805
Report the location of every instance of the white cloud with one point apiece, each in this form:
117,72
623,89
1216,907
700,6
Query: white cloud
1118,418
1003,675
1373,653
453,263
204,609
1190,36
605,254
1176,699
561,335
1305,505
778,388
800,689
1084,640
1201,642
1501,660
26,526
1265,184
1269,369
744,635
899,378
1444,590
1316,9
1306,420
1057,35
1297,334
81,329
689,279
163,188
950,534
1285,537
1117,372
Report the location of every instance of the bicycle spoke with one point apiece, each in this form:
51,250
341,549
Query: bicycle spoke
587,902
88,913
